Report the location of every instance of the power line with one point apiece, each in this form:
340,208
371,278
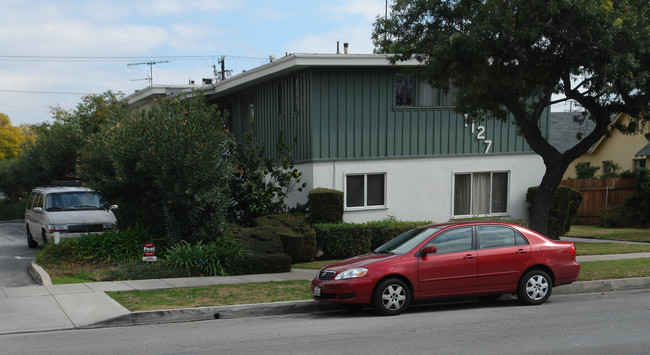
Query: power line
43,58
46,92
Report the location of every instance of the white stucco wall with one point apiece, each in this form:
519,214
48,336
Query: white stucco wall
421,189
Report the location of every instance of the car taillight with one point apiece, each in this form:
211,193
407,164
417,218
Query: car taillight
572,249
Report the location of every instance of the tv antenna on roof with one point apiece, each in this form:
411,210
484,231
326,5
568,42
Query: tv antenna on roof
150,64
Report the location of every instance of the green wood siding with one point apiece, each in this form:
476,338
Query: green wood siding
354,117
349,113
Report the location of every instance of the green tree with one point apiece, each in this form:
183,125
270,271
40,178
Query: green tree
166,167
515,57
259,185
11,138
53,150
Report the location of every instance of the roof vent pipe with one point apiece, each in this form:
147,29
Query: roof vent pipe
345,48
338,51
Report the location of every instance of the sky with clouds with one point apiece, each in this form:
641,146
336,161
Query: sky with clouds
54,52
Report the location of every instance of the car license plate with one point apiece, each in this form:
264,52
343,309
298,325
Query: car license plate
317,291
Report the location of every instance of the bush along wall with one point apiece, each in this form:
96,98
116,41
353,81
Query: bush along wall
564,208
326,205
344,240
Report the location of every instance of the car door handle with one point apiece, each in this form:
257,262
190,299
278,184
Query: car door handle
521,251
469,257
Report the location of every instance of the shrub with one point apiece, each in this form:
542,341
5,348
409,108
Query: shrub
143,270
260,263
613,216
564,207
258,185
125,245
210,259
344,240
639,200
297,237
258,240
326,205
167,168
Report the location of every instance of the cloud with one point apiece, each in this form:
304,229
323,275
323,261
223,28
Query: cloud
358,38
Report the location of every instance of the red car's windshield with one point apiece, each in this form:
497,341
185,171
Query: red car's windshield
407,241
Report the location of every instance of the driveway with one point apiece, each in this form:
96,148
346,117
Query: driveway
15,256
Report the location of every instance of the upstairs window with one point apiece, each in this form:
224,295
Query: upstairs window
410,91
404,89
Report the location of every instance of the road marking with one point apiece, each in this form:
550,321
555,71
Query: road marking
24,257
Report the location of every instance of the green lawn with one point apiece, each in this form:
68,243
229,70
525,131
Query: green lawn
584,248
625,234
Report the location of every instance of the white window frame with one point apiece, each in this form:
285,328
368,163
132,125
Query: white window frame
365,191
471,173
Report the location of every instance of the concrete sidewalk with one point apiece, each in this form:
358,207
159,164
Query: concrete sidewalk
57,307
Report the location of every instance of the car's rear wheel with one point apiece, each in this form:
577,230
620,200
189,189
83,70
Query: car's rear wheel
391,297
31,243
534,287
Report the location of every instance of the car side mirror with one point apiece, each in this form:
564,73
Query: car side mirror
431,249
38,209
113,207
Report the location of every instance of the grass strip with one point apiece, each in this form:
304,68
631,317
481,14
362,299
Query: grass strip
584,248
220,295
623,234
216,295
614,269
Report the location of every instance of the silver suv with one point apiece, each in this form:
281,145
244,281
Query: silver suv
55,212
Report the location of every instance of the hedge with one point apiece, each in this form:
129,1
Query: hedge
564,207
326,205
344,240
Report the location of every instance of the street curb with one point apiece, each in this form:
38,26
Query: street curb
39,275
218,312
603,286
310,306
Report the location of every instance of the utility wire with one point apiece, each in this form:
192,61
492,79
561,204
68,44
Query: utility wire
39,58
46,92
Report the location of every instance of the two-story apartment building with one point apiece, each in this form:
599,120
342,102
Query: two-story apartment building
383,136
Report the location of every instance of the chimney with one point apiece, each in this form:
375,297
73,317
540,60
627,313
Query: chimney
345,48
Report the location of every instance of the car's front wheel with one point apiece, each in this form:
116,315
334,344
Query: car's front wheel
534,287
31,243
391,297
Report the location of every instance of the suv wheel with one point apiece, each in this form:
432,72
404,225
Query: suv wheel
31,243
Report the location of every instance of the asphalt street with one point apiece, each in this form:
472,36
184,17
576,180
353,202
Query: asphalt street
589,323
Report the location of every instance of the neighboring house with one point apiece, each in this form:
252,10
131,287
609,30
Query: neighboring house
630,152
387,139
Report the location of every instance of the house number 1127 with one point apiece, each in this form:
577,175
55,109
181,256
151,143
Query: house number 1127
480,135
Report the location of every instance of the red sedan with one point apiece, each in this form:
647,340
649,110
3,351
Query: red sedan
450,259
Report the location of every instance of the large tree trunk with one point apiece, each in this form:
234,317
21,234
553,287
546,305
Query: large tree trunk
540,208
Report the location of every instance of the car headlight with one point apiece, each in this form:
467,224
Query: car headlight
61,228
352,273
